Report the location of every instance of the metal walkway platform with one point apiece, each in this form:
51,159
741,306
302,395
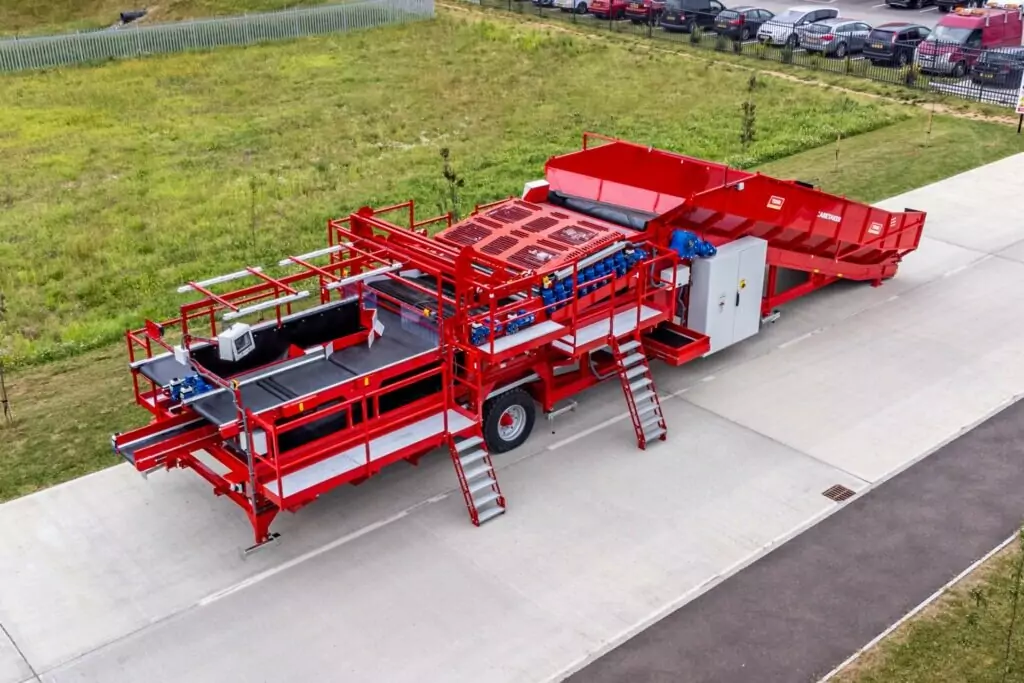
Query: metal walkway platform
622,324
532,333
357,456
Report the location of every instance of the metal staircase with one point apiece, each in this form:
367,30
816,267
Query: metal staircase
638,387
476,476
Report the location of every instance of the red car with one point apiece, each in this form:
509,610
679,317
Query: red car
645,11
608,9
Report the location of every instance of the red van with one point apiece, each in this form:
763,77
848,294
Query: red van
956,41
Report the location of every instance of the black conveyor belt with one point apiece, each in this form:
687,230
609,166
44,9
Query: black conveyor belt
308,375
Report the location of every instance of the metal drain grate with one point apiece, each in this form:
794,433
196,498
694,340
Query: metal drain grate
838,493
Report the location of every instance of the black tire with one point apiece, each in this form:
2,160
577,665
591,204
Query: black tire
959,70
581,8
509,402
841,51
792,42
744,34
902,60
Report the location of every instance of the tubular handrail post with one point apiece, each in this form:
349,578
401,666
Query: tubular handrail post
575,298
366,433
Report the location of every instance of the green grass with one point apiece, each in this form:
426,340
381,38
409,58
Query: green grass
118,183
67,410
38,17
803,66
960,638
134,177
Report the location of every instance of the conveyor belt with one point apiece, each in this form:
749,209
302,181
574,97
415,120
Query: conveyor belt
305,376
128,450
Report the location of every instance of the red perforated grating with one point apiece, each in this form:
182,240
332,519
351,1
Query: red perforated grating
573,236
555,246
510,214
499,244
483,220
467,233
532,257
540,224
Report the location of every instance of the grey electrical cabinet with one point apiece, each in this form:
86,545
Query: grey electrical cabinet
726,291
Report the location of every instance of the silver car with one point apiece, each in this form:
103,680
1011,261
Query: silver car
834,37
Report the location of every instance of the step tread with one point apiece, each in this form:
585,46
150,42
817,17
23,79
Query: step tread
472,457
656,420
468,443
654,435
476,471
632,359
629,346
643,396
640,383
485,483
636,370
485,499
649,408
489,513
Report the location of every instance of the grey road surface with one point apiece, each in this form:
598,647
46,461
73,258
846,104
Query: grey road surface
806,607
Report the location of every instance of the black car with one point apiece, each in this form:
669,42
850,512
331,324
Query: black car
912,4
894,43
683,15
741,23
1001,68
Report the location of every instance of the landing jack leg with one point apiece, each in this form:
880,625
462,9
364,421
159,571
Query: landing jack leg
261,522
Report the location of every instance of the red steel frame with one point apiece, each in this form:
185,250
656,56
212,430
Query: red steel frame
472,283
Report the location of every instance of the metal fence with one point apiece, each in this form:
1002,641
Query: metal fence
991,76
133,40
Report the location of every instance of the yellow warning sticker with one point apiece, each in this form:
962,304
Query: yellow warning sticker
743,284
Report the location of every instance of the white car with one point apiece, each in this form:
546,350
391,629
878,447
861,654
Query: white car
577,6
782,28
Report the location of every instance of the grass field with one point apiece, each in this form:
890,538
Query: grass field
960,638
143,169
67,409
34,17
134,177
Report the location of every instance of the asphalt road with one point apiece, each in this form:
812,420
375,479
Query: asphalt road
806,607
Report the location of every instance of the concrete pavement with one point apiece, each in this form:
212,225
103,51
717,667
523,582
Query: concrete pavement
113,578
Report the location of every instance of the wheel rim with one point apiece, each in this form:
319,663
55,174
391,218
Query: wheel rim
512,423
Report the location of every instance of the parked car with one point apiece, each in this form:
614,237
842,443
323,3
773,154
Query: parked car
781,30
741,23
957,41
1001,68
834,37
683,15
894,43
577,6
543,3
912,4
608,9
645,11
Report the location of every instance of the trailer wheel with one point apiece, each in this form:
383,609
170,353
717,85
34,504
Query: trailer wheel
508,420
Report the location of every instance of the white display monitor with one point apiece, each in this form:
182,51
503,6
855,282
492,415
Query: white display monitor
236,342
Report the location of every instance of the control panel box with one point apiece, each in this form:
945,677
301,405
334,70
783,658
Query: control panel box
726,291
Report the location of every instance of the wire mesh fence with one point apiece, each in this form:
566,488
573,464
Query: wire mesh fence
909,57
132,40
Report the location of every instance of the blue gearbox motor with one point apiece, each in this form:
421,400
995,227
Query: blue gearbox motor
689,246
191,385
